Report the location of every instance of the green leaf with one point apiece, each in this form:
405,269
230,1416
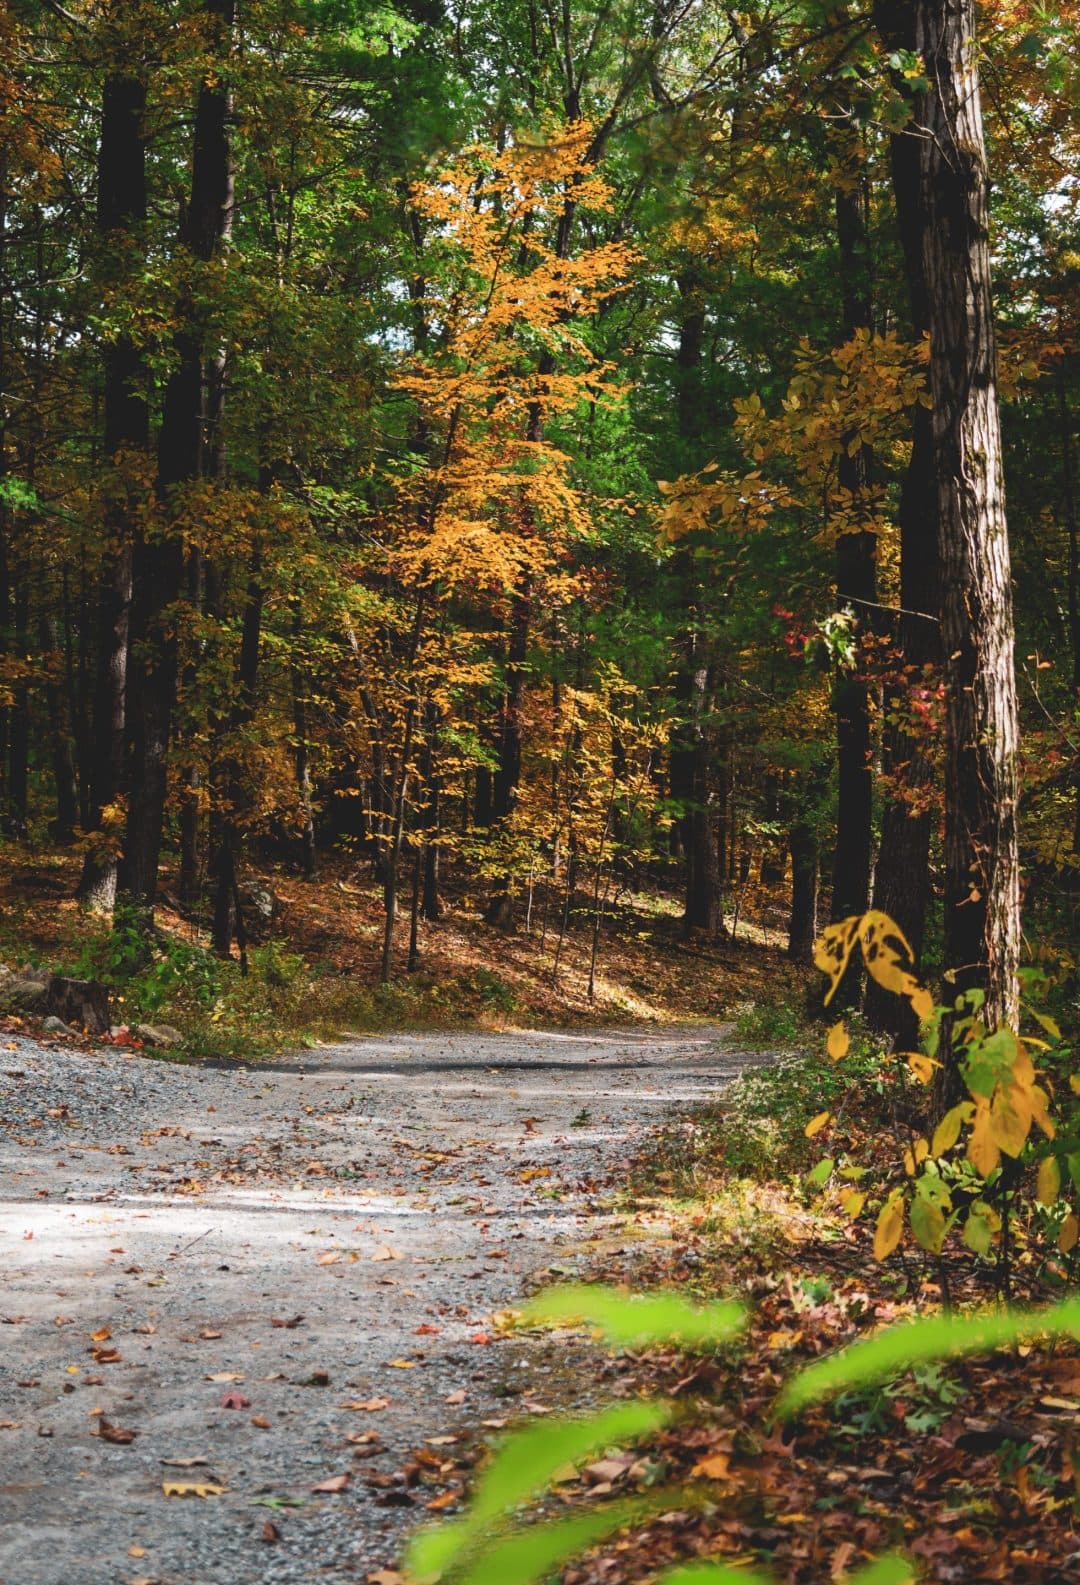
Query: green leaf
523,1467
713,1574
927,1223
820,1173
915,1342
629,1321
890,1570
536,1552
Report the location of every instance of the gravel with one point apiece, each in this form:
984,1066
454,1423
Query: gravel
394,1194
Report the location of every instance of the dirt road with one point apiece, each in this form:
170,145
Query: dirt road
228,1261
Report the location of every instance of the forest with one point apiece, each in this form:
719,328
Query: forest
565,512
501,444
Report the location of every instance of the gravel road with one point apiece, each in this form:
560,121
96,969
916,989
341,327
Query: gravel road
229,1261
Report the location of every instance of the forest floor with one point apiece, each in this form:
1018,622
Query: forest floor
319,973
276,1291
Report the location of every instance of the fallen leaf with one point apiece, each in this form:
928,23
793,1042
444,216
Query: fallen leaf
184,1463
120,1434
437,1504
367,1405
290,1324
715,1467
192,1488
401,1364
457,1397
226,1375
235,1400
387,1252
270,1531
335,1483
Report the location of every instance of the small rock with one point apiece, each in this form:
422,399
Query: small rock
57,1026
161,1035
24,996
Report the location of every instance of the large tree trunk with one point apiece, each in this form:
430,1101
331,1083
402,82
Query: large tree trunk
856,590
902,877
500,909
158,561
805,871
982,880
121,216
701,821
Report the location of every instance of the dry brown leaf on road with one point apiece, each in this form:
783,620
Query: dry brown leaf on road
335,1483
122,1435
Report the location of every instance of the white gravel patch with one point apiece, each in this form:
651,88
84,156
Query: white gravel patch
394,1192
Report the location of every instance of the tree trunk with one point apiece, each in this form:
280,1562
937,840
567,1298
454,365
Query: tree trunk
500,909
1072,529
121,216
63,744
982,880
301,763
805,869
702,911
157,567
16,815
229,777
856,590
902,876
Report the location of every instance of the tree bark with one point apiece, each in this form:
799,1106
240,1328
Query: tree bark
805,869
982,880
158,563
902,876
121,217
856,591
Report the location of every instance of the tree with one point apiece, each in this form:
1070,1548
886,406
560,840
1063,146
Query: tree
982,873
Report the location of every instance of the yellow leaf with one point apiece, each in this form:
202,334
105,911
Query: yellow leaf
1074,1083
1048,1181
922,1067
1010,1118
192,1488
1039,1100
947,1131
402,1364
833,950
887,951
983,1152
922,1003
1069,1233
715,1467
890,1225
837,1042
922,1149
816,1124
853,1201
1053,1029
